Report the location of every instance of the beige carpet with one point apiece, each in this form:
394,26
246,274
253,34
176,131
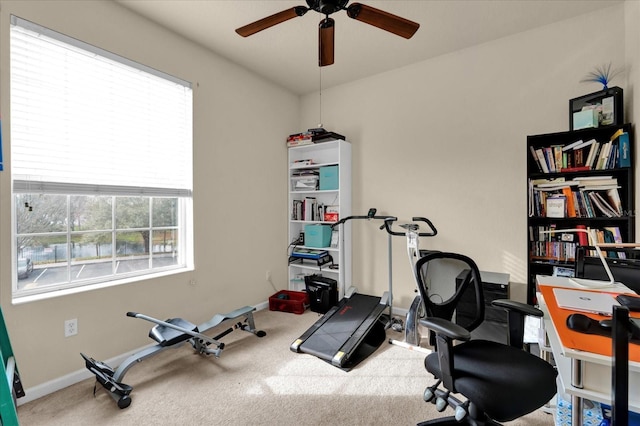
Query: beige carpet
256,381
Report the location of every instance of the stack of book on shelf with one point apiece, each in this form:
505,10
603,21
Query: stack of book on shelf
309,209
303,209
300,139
590,196
584,155
302,163
322,135
561,245
311,136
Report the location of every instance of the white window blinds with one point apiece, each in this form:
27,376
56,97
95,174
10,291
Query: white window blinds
84,120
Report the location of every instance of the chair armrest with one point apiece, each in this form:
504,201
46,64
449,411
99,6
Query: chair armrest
446,328
512,305
445,333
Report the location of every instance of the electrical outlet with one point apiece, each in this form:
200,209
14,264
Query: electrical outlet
268,276
71,327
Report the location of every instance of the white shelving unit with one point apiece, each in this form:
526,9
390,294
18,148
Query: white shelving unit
332,153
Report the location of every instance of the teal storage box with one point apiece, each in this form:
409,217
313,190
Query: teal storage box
317,235
328,178
586,119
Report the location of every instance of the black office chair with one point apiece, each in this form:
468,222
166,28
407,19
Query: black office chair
498,382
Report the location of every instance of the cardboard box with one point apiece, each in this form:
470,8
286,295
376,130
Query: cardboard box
317,235
586,119
634,418
593,413
329,178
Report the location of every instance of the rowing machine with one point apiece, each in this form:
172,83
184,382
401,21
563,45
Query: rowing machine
171,333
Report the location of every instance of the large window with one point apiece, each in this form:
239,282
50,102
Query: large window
101,165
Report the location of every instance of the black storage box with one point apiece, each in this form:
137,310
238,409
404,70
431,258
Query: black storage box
322,291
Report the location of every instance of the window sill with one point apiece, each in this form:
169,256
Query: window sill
21,299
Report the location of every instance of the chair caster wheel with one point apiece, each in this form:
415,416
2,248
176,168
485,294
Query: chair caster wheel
441,404
460,413
428,395
124,402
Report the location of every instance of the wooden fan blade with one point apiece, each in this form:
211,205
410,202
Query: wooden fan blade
270,21
383,20
326,41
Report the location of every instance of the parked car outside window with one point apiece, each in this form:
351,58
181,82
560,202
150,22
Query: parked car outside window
25,267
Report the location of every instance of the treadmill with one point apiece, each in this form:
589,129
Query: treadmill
348,333
353,329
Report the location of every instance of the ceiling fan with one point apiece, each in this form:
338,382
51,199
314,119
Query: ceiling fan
360,12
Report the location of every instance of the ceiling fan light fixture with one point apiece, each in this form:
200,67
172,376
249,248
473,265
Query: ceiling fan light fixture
327,7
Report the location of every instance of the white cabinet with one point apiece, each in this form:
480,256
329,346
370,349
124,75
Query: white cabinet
308,201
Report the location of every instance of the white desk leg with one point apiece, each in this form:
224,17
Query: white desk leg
576,401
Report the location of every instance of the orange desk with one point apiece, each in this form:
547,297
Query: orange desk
583,360
579,341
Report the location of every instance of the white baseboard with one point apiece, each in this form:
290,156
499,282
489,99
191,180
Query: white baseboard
54,385
44,389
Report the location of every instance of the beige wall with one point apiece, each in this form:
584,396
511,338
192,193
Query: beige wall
446,139
240,122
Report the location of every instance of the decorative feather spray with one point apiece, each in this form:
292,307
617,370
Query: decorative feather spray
602,74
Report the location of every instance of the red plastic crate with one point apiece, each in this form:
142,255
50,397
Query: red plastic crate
289,301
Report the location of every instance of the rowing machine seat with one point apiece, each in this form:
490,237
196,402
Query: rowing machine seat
166,336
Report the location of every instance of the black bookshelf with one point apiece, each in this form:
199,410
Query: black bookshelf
546,252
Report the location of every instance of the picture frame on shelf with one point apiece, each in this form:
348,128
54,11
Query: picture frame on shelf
597,109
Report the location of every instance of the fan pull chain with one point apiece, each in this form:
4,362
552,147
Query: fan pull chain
320,99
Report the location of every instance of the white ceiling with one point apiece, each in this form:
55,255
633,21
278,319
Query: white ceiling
287,54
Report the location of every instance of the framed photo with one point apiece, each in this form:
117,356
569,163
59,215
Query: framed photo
598,109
